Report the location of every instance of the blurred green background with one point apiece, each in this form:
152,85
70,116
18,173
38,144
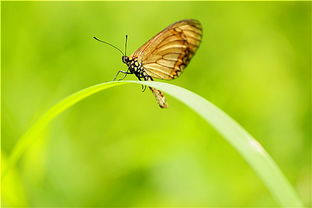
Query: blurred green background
118,148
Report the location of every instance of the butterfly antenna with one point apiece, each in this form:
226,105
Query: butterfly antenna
126,43
109,44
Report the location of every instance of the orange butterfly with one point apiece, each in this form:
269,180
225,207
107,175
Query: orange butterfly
165,55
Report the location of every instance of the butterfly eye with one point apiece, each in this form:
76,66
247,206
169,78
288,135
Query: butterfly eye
125,59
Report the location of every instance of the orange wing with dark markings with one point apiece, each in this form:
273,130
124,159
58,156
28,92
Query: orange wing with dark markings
167,54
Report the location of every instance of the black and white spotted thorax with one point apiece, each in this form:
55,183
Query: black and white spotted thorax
135,67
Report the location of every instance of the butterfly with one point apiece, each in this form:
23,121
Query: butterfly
164,56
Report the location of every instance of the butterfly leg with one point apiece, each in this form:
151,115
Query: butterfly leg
143,86
124,72
147,77
139,76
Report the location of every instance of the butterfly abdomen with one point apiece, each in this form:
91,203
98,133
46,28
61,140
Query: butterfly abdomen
159,95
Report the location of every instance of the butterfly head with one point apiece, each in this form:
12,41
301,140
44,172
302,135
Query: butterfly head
125,59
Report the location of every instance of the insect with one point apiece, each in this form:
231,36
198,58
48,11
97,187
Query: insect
164,56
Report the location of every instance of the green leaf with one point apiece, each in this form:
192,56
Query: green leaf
238,137
14,194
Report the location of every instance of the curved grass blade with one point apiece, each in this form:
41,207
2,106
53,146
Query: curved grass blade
238,137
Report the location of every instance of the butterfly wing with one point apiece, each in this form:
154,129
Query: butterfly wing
167,54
